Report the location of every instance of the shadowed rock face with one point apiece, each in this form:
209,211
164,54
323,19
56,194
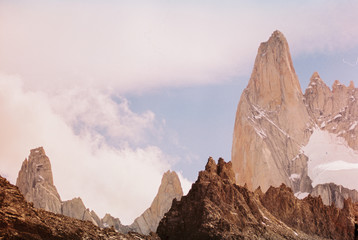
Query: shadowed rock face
216,208
20,220
334,194
272,123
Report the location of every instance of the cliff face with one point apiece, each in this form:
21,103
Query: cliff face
334,194
170,188
20,220
35,181
272,123
216,208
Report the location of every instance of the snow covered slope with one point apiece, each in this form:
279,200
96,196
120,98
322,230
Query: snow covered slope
330,159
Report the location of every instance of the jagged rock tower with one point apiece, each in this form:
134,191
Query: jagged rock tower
272,123
35,182
170,188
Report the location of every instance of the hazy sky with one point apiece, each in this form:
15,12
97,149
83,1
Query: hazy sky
118,92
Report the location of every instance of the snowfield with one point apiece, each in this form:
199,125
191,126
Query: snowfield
330,159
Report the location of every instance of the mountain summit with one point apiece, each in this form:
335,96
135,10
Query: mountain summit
265,139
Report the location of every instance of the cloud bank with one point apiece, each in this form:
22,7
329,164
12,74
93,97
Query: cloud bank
140,45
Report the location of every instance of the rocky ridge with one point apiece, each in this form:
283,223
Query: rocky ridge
217,208
35,182
20,220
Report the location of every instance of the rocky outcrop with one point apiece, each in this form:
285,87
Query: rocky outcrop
170,188
109,221
216,208
35,182
334,110
20,220
334,194
272,123
75,208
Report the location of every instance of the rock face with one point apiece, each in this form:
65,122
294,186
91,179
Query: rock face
170,188
272,123
75,208
109,221
334,194
20,220
35,182
334,110
216,208
275,122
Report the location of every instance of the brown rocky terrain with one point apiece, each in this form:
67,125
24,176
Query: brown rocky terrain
20,220
217,208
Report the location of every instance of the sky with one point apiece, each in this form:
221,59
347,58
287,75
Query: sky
118,92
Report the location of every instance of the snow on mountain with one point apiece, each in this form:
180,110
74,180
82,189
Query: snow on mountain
330,159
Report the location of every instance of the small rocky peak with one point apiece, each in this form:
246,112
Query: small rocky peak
211,166
37,152
273,80
224,170
315,79
337,85
351,85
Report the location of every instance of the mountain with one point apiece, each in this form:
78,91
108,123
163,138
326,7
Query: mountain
272,123
20,220
217,208
170,188
35,182
306,141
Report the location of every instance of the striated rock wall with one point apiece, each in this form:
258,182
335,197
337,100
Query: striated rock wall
272,123
334,194
170,188
216,208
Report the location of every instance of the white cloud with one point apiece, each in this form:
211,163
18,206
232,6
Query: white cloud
134,47
122,180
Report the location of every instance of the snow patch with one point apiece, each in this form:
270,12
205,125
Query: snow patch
353,126
323,124
301,195
330,159
337,116
295,176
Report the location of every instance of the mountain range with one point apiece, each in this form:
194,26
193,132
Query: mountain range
291,175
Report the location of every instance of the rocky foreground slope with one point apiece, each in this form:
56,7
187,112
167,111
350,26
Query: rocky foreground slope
217,208
20,220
